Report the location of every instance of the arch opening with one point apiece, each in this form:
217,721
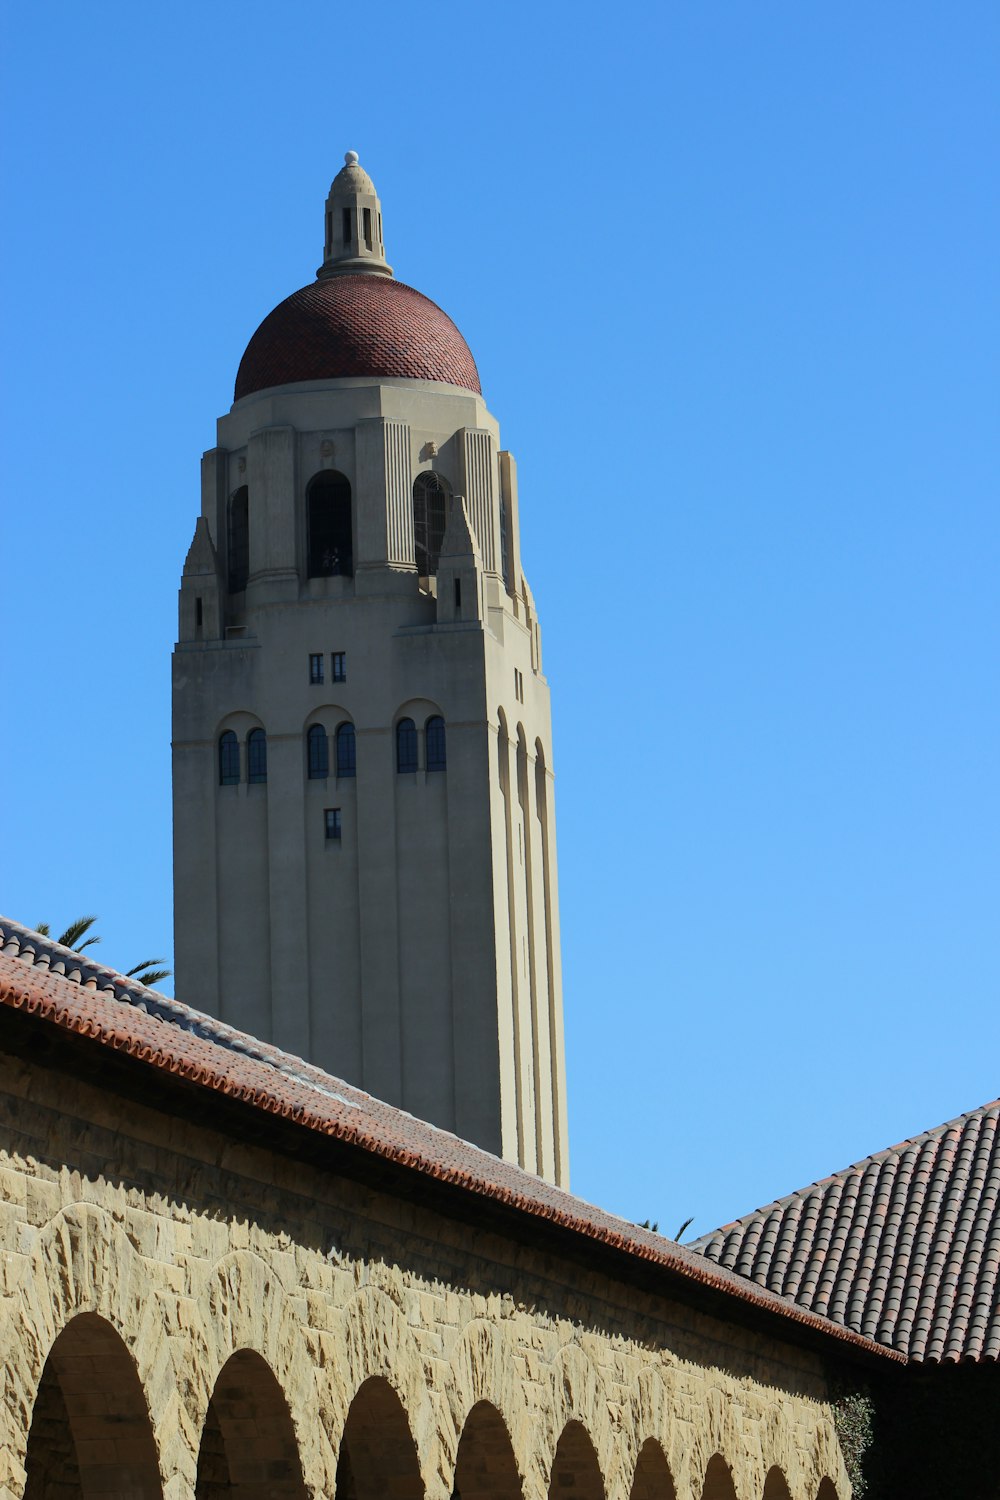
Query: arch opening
652,1479
90,1433
377,1453
430,516
256,756
827,1489
317,753
238,540
776,1485
229,759
485,1468
329,526
575,1466
248,1449
718,1480
437,750
347,751
406,747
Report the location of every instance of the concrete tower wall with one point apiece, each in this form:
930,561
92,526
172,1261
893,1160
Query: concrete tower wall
415,951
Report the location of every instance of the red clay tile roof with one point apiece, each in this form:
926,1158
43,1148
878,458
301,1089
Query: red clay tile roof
353,325
66,991
903,1247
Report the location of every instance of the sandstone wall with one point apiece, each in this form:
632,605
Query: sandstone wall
229,1319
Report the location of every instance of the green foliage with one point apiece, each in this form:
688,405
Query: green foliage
653,1224
853,1419
145,972
686,1225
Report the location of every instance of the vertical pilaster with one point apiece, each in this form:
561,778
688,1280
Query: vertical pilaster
271,481
378,917
287,895
214,466
478,465
398,494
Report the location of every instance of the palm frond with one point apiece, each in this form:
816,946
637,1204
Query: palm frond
75,931
147,972
43,928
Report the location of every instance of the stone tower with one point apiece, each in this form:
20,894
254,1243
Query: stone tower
364,833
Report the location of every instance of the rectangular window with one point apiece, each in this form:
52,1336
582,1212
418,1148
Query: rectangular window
316,666
198,614
331,822
518,686
338,666
368,227
458,595
347,226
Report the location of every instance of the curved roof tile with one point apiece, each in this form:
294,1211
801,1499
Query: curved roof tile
903,1247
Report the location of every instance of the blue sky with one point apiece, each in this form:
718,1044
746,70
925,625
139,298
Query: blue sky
729,275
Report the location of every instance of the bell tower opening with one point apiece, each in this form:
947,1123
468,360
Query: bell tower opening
331,537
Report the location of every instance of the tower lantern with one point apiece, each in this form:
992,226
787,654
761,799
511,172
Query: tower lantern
364,830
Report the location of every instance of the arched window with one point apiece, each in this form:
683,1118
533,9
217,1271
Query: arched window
406,746
346,751
328,505
317,752
436,757
430,512
238,539
256,755
229,759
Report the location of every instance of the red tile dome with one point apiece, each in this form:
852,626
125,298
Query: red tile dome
355,325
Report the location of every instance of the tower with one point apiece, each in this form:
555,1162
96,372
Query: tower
364,831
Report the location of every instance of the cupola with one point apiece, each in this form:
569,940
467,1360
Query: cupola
353,223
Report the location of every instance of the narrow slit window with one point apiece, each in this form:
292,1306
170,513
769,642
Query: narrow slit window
347,750
257,756
199,613
458,595
317,753
436,755
331,823
368,227
347,226
406,747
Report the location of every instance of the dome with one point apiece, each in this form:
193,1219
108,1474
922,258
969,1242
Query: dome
356,325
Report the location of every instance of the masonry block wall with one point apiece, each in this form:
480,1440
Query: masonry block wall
188,1311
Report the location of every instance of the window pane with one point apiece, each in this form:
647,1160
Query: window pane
346,750
229,759
435,744
316,667
256,755
406,746
318,752
338,666
331,822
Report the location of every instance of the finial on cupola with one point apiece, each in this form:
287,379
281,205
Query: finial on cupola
353,223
